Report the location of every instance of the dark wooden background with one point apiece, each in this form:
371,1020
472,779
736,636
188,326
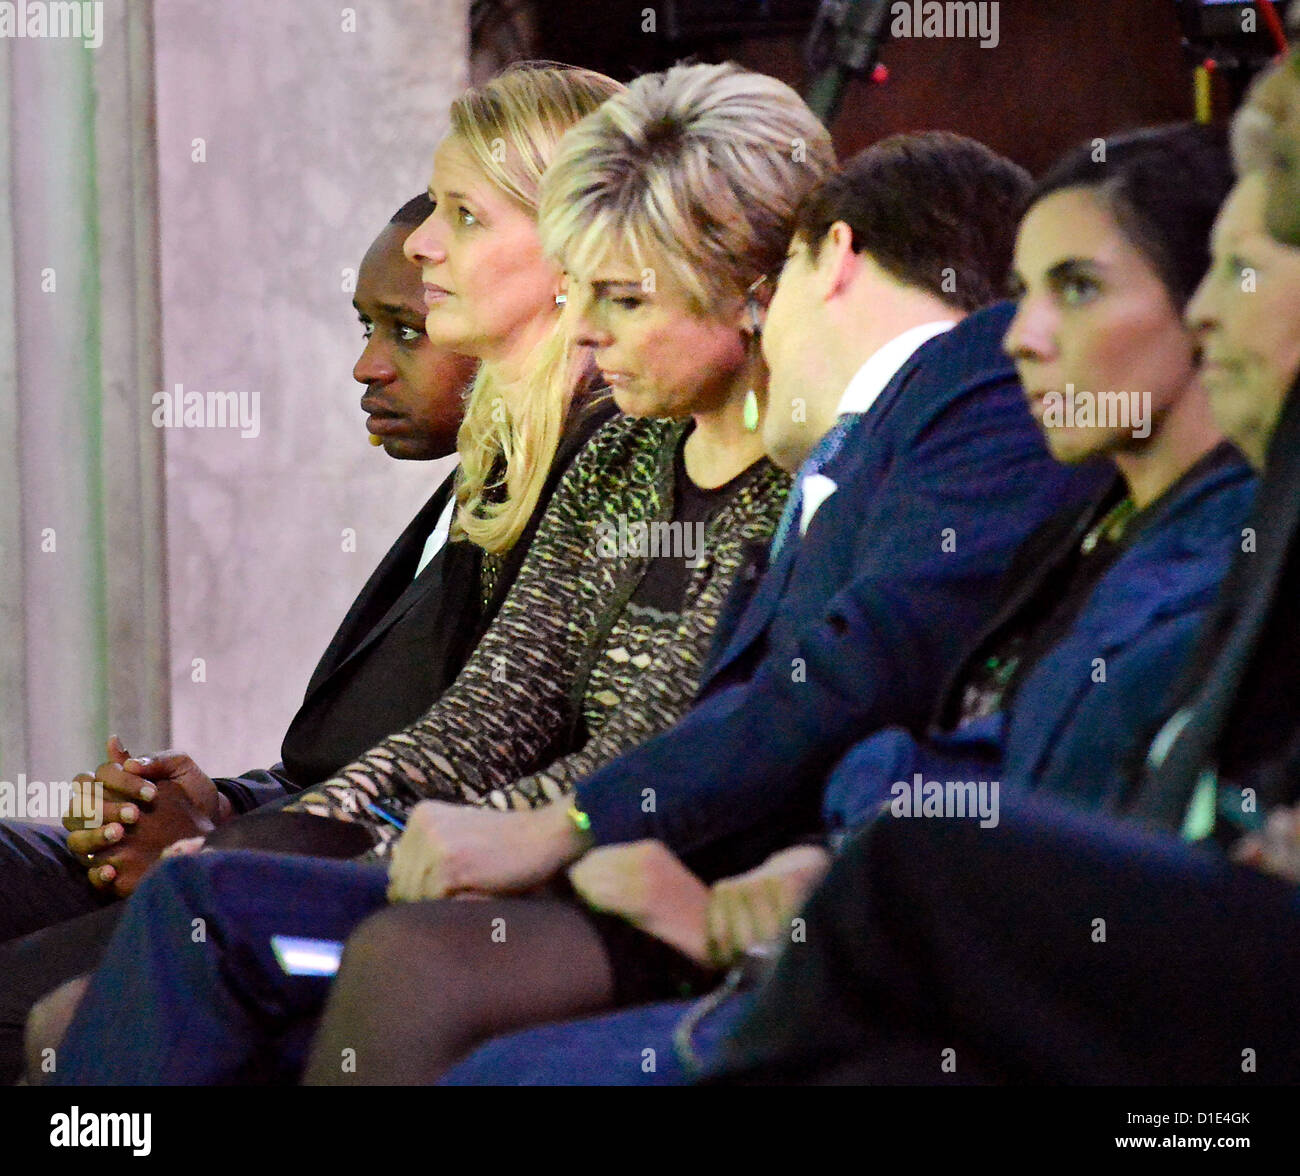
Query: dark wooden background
1064,70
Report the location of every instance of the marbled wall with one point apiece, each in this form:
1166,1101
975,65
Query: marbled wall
287,134
83,630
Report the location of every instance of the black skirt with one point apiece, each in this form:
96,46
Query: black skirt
645,969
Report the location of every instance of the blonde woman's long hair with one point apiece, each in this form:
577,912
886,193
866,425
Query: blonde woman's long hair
700,168
511,126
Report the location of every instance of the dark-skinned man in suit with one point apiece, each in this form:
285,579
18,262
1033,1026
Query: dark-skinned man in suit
402,642
360,690
414,401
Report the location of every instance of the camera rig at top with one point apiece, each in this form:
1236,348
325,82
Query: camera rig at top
1233,41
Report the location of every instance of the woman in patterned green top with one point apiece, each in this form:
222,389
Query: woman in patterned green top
602,640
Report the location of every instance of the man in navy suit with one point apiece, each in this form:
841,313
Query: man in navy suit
926,473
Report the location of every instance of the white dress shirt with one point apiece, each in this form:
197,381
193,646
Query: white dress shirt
438,536
868,382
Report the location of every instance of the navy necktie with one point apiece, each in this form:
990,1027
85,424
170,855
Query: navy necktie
824,452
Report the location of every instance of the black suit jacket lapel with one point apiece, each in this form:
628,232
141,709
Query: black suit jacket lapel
390,592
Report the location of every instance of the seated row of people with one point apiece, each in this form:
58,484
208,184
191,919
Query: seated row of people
881,641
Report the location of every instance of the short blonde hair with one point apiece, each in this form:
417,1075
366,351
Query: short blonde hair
700,168
511,127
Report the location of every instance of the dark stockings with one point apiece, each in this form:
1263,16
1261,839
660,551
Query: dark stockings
422,984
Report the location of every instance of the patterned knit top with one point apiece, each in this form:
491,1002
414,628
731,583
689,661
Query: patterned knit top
569,675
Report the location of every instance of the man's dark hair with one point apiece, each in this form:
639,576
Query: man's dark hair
1164,186
924,204
414,212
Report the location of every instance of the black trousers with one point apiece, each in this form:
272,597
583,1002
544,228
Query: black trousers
53,926
42,881
1056,947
